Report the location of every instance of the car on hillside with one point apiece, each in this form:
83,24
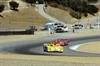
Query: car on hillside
77,26
60,29
61,42
51,47
51,25
95,26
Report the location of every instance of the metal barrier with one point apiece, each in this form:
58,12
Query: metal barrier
16,32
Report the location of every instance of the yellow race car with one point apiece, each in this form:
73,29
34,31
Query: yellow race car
50,47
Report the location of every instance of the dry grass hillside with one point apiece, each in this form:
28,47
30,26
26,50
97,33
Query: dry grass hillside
64,15
22,19
28,16
60,14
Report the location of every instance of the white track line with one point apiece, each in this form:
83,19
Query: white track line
75,47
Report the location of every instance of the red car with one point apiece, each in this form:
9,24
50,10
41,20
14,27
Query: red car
62,42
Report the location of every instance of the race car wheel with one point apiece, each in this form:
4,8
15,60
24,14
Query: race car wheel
45,49
60,52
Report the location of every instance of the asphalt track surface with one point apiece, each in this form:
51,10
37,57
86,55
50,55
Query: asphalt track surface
31,47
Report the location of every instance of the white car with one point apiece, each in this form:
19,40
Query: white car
61,29
95,26
77,26
65,29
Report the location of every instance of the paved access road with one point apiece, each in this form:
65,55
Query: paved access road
35,47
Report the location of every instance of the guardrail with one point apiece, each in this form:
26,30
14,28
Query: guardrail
27,32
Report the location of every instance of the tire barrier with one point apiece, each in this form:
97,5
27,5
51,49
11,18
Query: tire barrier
26,32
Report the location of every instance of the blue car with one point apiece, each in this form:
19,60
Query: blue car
48,26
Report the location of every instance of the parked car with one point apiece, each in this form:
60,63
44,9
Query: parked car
58,24
51,47
45,27
61,42
60,29
51,25
95,26
77,26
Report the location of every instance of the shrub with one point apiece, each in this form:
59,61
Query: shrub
30,1
41,1
54,4
2,8
13,5
92,9
76,15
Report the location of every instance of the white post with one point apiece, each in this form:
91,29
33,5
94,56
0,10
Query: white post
98,20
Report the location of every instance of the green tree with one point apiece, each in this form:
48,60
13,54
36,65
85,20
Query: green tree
92,9
30,1
80,7
2,8
41,1
13,5
76,15
94,1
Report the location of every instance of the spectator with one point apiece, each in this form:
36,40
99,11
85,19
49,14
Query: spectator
32,29
51,29
73,29
36,4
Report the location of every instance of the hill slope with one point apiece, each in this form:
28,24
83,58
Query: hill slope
22,19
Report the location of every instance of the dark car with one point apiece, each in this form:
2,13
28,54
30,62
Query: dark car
58,30
77,26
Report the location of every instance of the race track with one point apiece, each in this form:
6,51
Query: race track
35,47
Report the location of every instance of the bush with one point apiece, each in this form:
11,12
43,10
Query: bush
13,5
76,15
85,14
92,9
2,8
81,6
30,1
54,5
94,1
41,1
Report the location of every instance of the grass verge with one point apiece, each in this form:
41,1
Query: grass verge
52,58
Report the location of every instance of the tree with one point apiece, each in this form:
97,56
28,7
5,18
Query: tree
2,8
41,1
13,5
76,15
30,1
79,7
92,9
94,1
